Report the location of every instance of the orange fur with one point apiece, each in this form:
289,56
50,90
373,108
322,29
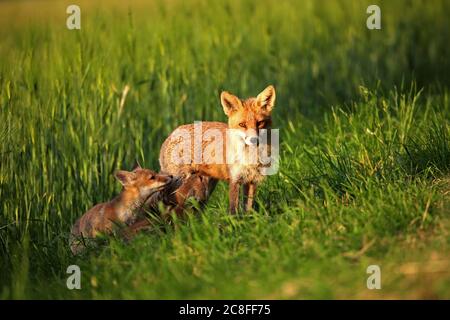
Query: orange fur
138,186
244,116
174,199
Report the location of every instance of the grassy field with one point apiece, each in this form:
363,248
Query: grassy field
365,146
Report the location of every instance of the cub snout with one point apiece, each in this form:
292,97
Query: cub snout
165,178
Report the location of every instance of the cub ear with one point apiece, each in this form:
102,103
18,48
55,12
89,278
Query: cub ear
230,103
266,99
124,177
136,165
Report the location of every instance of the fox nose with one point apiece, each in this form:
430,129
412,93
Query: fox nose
254,140
251,141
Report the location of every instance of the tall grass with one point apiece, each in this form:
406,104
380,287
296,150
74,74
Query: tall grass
364,137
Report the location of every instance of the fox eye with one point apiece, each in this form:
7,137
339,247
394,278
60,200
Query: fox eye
151,177
243,125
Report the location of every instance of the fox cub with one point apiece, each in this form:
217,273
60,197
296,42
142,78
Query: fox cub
245,119
138,186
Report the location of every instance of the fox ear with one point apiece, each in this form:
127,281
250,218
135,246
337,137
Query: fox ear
230,103
136,165
124,177
266,99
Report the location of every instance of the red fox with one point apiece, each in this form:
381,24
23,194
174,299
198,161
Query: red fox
184,153
138,186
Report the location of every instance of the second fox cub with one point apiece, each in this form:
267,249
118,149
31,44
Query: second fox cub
138,186
246,118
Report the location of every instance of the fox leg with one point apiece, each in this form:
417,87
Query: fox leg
130,231
186,190
234,196
249,195
196,186
209,184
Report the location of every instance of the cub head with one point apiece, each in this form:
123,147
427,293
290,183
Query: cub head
143,181
249,115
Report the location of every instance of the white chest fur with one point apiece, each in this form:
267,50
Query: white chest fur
246,173
243,159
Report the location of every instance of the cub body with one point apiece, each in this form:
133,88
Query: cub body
138,186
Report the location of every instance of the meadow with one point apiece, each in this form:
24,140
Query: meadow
363,114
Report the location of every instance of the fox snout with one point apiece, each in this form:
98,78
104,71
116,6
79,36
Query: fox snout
251,140
162,181
169,181
164,178
250,137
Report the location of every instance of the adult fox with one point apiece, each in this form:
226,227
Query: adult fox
190,148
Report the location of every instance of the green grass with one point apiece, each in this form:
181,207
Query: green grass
365,146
